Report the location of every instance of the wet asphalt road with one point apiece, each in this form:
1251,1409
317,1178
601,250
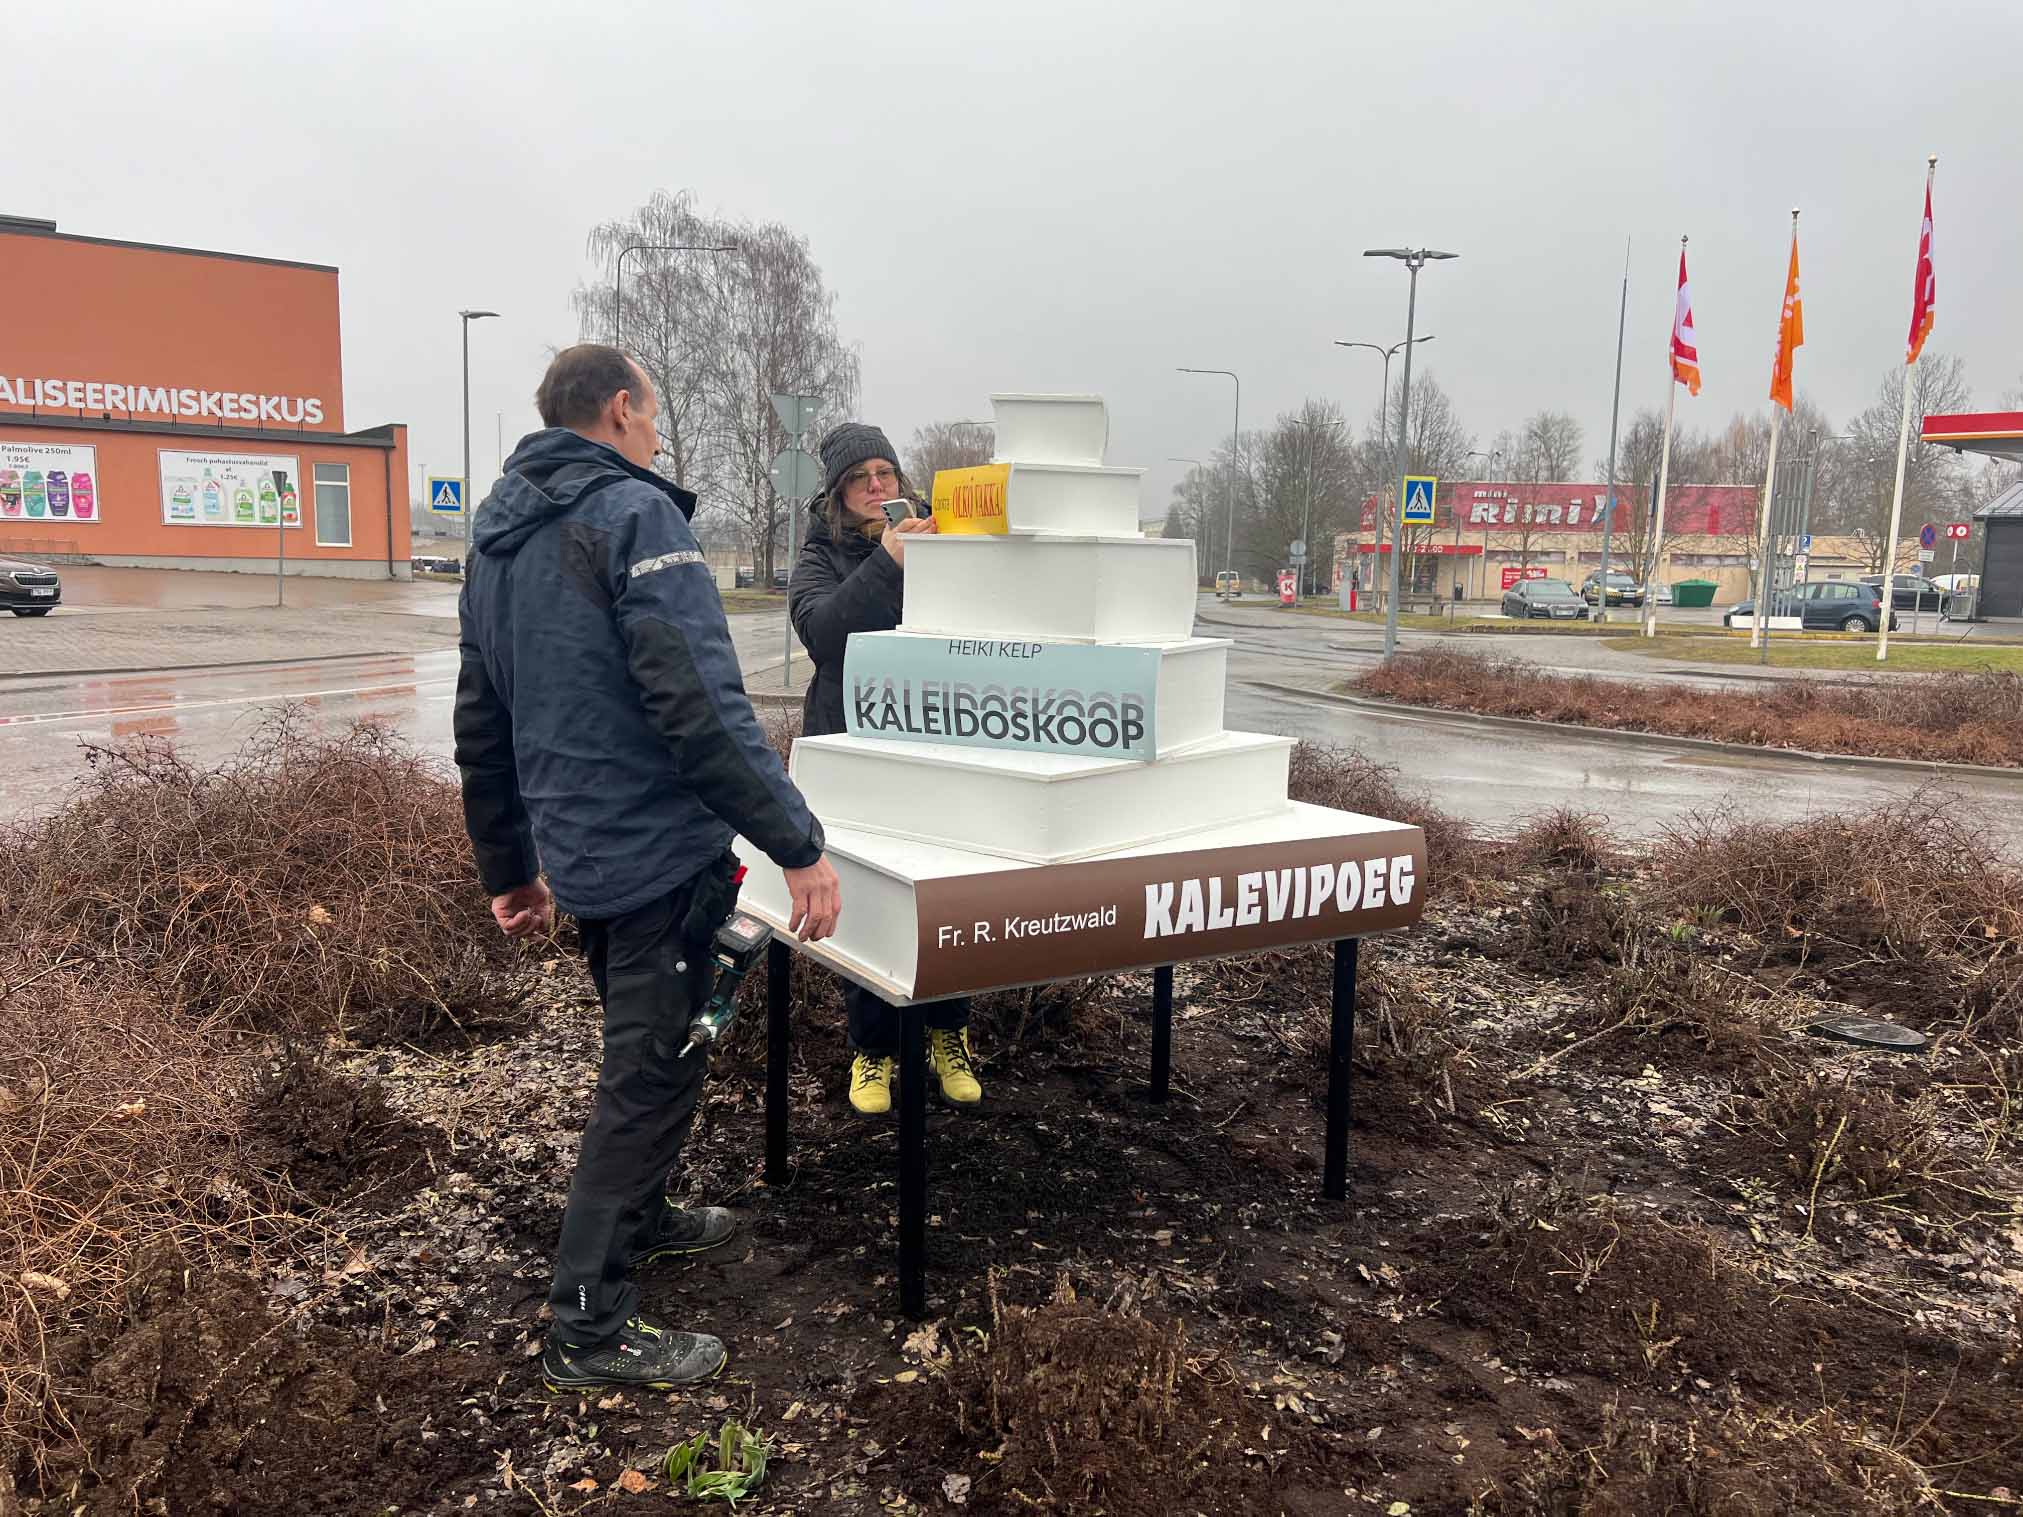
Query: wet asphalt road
1488,776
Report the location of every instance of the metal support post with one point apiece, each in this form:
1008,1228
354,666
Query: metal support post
1162,1033
1341,1046
779,997
912,1164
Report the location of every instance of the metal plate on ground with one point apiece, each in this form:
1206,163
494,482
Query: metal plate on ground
1868,1032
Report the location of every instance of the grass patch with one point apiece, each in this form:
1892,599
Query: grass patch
1958,717
737,602
1791,652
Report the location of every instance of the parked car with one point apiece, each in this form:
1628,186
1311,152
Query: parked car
1911,593
427,565
745,578
780,578
1663,594
1623,589
1831,606
1228,585
29,589
1550,598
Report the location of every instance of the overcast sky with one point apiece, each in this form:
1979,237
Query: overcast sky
1078,197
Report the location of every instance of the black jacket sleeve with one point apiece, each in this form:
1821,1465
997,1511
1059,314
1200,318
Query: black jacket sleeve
679,650
827,606
494,815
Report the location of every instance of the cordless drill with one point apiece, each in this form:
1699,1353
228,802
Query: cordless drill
735,948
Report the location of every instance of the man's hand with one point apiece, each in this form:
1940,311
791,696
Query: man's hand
526,909
893,540
817,901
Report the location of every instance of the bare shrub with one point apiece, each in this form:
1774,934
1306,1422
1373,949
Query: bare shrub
1968,717
1567,840
308,884
1904,880
1342,779
119,1125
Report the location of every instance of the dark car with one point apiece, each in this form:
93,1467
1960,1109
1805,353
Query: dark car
29,589
1833,606
1623,589
780,577
1912,592
1550,598
745,577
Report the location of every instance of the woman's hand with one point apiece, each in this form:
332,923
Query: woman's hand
894,539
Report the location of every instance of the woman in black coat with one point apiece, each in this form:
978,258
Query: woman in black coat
851,577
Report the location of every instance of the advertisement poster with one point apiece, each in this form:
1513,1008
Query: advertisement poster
984,693
1512,574
229,489
43,481
971,502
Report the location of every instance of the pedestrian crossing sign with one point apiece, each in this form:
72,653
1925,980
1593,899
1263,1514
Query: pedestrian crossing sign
1419,492
446,496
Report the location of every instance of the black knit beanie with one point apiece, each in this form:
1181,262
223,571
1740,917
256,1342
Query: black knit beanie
850,445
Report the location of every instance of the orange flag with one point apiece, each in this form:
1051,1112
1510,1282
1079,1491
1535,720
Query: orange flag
1685,342
1926,296
1790,330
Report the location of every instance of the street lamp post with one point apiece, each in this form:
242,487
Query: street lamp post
1199,465
464,524
1383,425
1414,260
1235,447
618,281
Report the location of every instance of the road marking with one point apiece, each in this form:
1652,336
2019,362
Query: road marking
36,717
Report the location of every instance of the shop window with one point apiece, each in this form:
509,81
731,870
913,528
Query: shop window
333,505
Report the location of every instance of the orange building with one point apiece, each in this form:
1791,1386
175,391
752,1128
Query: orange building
175,408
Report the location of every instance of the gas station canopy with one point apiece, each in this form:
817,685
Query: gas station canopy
1999,434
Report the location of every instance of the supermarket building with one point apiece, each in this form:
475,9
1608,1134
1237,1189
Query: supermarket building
178,408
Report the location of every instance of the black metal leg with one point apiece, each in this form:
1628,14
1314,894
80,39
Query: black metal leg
912,1164
1341,1046
1162,1033
779,997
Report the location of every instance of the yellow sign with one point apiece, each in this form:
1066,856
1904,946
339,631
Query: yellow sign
970,502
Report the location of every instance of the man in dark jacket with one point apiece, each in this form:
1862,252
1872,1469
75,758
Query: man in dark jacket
604,738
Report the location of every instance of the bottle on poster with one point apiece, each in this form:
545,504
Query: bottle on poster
213,495
82,498
58,486
242,504
270,503
34,494
10,492
291,508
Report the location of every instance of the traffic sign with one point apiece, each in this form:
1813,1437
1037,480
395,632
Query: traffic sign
446,496
1959,531
1420,490
796,412
1925,555
1298,551
796,475
1805,542
1928,536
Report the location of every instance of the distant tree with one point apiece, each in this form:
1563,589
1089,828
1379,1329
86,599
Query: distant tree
946,445
1548,447
1934,477
1638,456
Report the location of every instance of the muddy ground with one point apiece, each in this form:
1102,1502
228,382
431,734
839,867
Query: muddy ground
1596,1258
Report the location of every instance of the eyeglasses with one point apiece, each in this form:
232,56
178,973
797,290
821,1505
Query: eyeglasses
885,479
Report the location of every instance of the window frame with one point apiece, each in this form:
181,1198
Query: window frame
316,487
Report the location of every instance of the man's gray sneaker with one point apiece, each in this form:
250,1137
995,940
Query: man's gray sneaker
645,1354
685,1230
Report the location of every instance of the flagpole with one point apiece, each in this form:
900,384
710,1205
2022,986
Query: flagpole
1664,466
1882,641
1761,625
1658,526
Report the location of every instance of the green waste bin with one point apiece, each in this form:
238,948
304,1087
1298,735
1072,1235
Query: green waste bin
1694,592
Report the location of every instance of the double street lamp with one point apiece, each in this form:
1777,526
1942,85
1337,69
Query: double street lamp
1383,415
1414,259
466,504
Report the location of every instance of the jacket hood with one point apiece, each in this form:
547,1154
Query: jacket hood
547,474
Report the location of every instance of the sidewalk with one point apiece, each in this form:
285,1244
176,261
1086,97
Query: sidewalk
88,642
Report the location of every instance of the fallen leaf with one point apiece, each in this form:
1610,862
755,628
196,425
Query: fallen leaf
585,1484
634,1482
1398,1509
925,1341
1163,1237
320,916
133,1108
907,1377
956,1488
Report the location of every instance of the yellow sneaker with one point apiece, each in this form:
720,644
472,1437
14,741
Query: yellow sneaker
871,1085
948,1056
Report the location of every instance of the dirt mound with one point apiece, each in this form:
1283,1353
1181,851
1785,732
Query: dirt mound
196,1398
332,1140
1069,1407
1716,1466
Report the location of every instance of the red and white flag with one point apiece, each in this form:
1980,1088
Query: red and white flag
1925,297
1685,345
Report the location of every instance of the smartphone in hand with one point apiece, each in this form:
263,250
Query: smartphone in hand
896,511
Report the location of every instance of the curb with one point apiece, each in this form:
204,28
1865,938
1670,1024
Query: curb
1647,739
7,680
